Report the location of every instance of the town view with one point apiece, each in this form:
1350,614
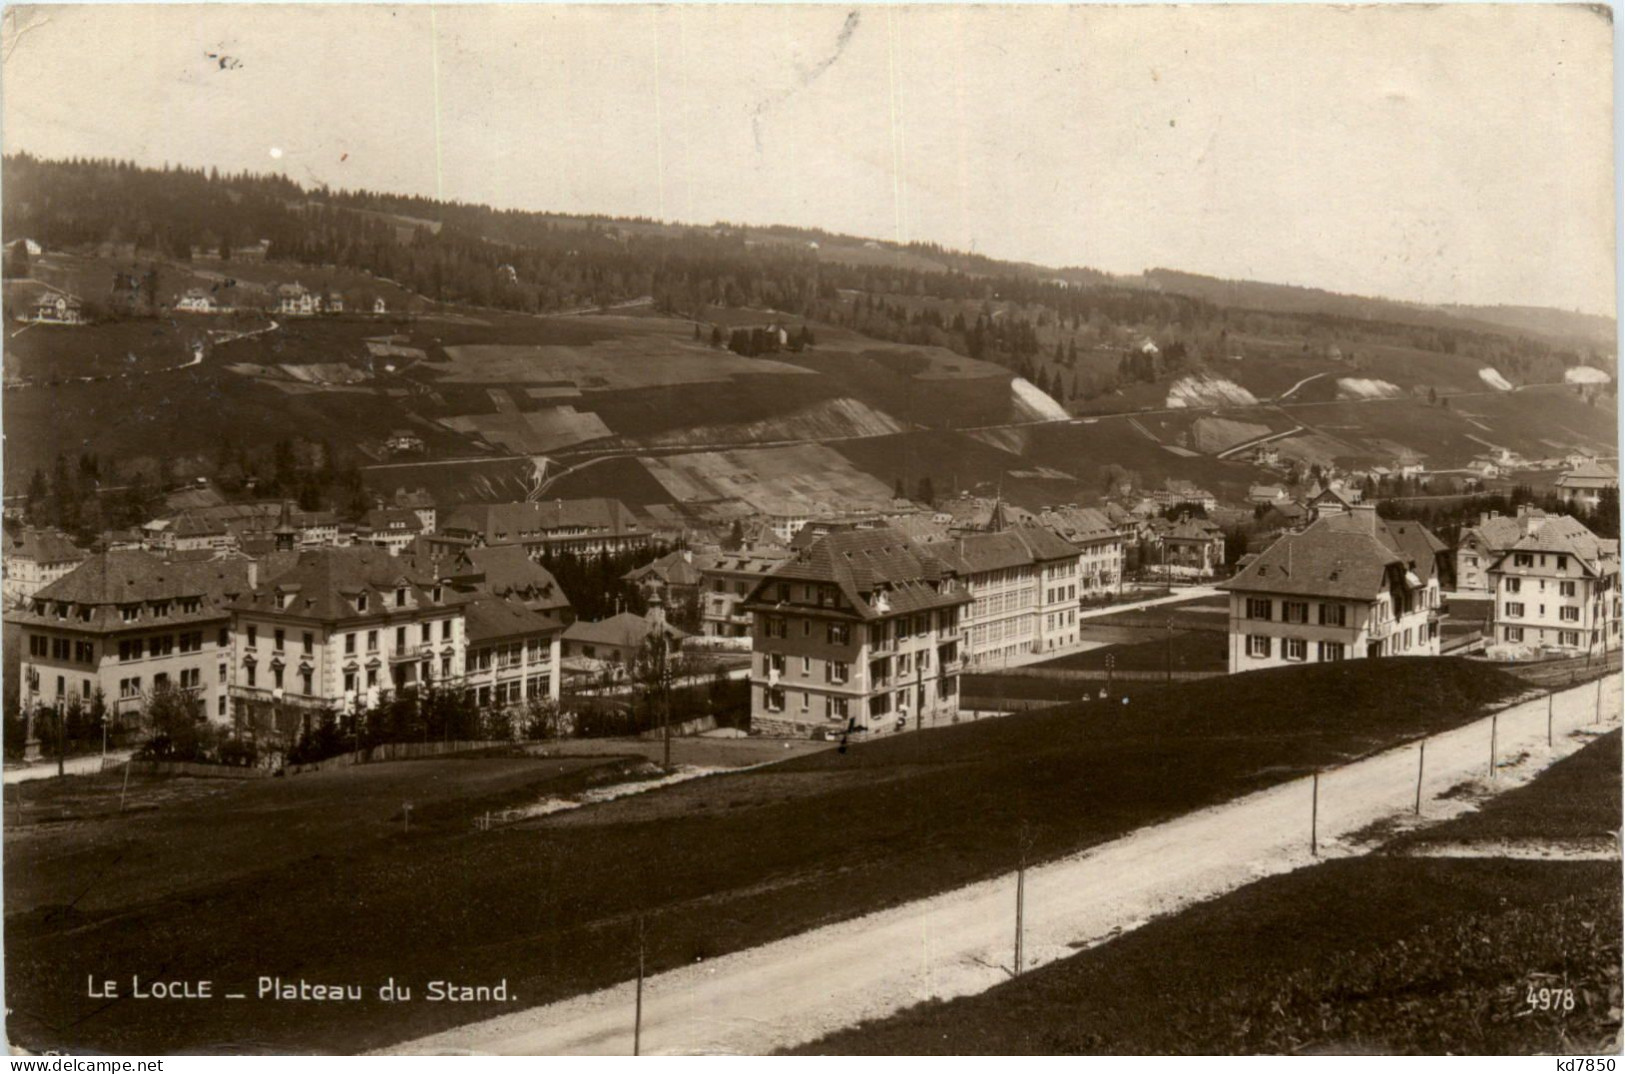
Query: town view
439,623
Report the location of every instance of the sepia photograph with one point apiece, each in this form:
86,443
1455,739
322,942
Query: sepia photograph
692,529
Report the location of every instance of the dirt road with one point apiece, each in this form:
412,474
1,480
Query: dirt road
958,943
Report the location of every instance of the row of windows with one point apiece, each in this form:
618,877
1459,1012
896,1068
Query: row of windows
778,699
1564,589
1568,638
1516,609
834,633
835,671
1261,646
510,655
1328,613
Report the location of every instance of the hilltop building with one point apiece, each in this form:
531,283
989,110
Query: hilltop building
1583,486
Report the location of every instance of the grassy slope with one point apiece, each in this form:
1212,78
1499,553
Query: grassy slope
1387,954
715,865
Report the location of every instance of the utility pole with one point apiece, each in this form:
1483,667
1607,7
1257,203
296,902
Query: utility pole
665,690
1495,723
1549,695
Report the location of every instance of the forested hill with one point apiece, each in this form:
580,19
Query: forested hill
541,262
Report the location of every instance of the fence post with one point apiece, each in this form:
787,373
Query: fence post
1495,721
1314,818
1421,760
1598,717
1549,695
637,1010
1021,898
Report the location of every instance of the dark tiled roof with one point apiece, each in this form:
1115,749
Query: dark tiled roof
505,570
505,522
1345,556
44,546
673,568
324,584
107,581
1019,546
1079,524
625,630
494,618
866,563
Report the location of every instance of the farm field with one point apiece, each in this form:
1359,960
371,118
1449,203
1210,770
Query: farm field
1388,953
770,479
550,904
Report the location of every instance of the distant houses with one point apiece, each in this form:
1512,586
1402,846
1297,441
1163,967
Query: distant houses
1584,485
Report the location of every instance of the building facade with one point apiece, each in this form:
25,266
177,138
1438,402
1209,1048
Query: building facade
580,527
1555,590
127,622
338,628
726,581
1350,586
858,632
1023,584
33,559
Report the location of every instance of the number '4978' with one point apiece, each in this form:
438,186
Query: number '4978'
1550,999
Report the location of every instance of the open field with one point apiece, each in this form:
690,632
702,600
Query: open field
1388,953
714,864
632,361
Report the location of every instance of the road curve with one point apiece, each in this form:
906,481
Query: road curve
958,943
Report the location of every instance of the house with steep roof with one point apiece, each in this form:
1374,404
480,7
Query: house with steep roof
1556,588
726,580
674,575
1482,543
34,558
125,622
394,529
340,628
1100,543
859,631
1352,585
1192,548
1023,584
1584,484
612,644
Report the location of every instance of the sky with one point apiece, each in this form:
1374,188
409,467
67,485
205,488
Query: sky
1438,154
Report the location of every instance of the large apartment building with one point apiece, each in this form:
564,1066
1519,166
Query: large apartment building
1482,544
1100,543
125,622
726,580
341,627
1556,589
1023,583
1351,585
858,631
581,527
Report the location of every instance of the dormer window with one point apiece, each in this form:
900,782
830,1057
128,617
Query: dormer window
130,612
400,597
160,607
434,594
361,602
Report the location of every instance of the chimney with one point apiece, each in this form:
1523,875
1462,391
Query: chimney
1367,514
253,573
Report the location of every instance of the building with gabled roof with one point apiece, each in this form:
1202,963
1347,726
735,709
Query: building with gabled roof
515,651
1349,586
1482,543
859,631
1192,547
1556,588
1585,483
35,557
1100,541
726,580
612,644
124,622
580,527
1023,584
341,627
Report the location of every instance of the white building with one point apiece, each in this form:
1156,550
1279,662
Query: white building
1023,584
1556,589
1100,543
